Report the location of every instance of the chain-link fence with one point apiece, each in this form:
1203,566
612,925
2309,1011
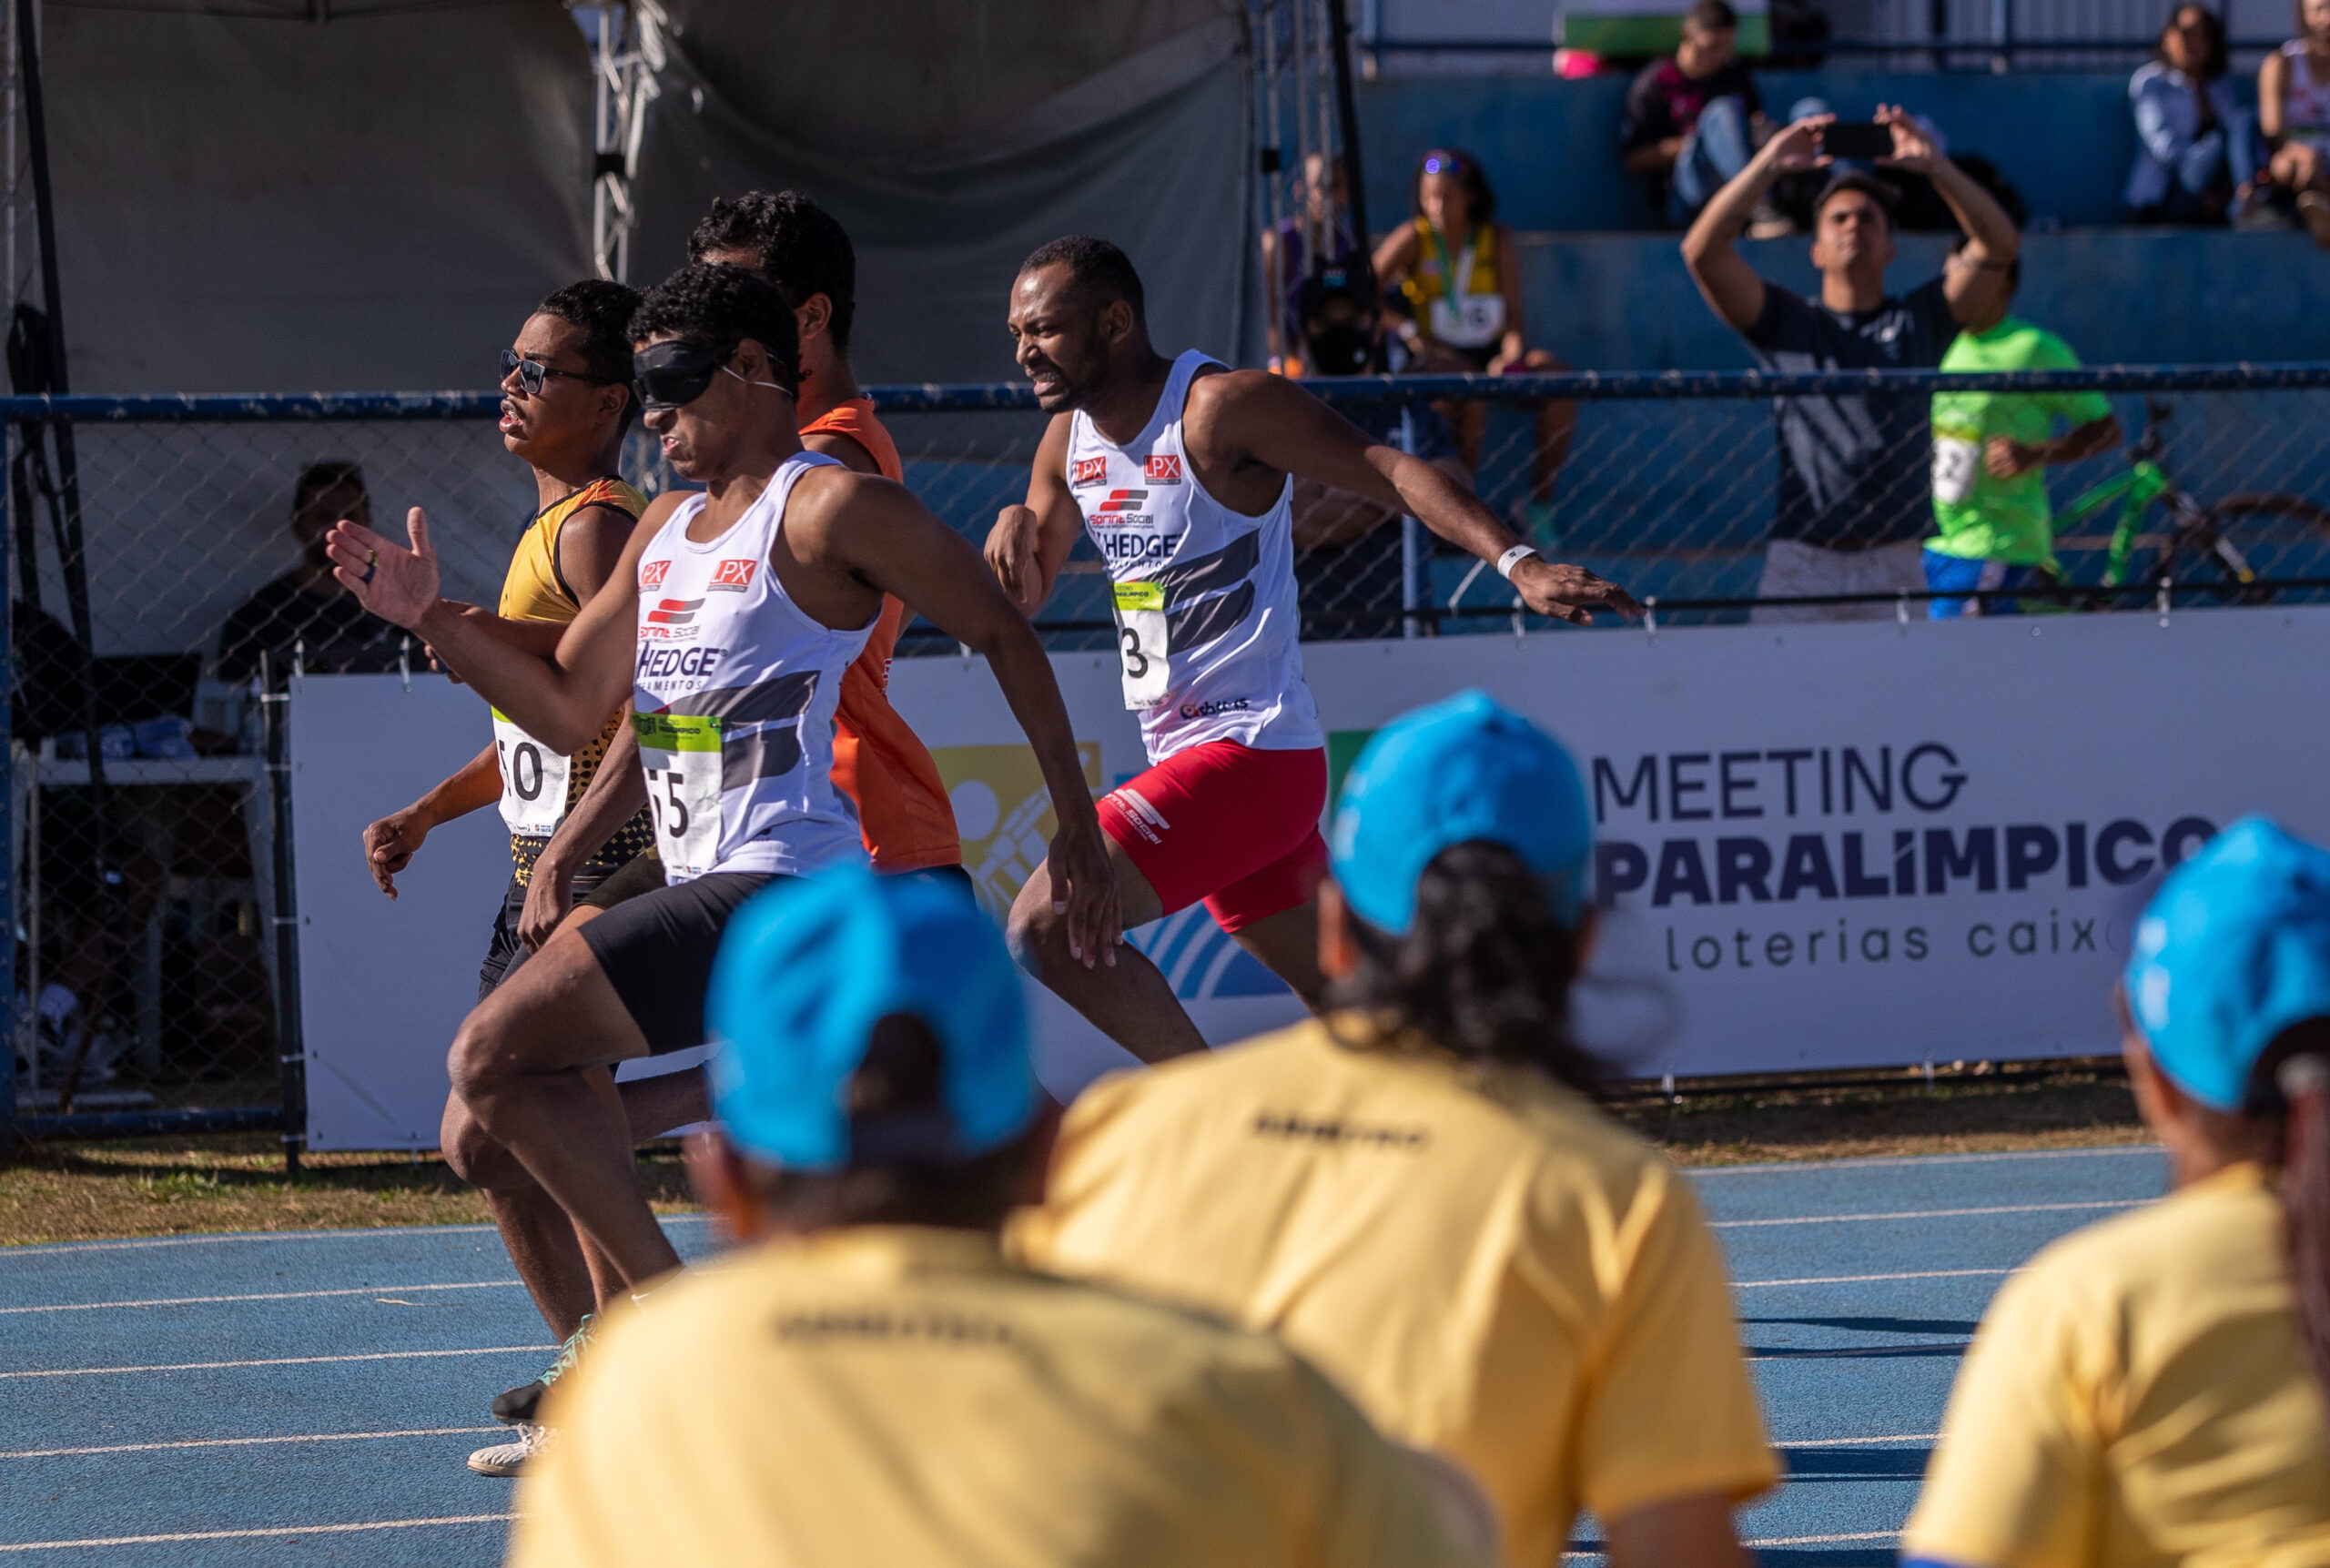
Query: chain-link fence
164,583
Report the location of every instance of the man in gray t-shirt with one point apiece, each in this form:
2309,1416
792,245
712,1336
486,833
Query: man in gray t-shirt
1851,504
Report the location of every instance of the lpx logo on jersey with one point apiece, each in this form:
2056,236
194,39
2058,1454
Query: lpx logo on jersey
1164,468
1088,471
651,573
733,576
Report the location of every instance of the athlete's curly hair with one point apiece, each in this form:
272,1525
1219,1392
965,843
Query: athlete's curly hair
714,305
801,249
1095,264
1484,972
603,311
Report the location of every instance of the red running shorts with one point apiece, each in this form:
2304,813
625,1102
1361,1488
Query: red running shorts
1234,826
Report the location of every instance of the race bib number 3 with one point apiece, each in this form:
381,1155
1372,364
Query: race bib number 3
680,754
534,780
1956,465
1141,642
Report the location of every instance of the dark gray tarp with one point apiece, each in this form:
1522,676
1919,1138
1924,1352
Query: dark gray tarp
249,205
953,139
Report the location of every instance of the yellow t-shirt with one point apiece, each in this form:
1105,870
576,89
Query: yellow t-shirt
895,1395
2139,1395
1490,1267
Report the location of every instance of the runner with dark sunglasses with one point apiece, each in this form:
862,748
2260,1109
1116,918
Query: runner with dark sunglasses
728,621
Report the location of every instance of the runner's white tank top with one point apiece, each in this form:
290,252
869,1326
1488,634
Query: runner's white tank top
734,698
1207,634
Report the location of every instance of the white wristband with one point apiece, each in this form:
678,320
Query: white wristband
1513,558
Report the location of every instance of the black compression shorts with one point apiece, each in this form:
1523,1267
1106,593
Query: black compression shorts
504,951
656,950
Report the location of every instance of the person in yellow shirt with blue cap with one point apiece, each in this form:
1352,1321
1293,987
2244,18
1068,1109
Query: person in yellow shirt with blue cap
1416,1192
866,1378
2151,1390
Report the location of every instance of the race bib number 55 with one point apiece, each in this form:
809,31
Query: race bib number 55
1141,642
679,753
534,780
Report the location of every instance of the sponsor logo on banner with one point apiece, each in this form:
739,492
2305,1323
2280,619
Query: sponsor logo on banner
1164,468
1088,471
651,573
733,576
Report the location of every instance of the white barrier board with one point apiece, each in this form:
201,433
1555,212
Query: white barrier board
1822,845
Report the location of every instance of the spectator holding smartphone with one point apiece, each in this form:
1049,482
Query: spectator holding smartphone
1852,511
1992,527
1457,268
1694,118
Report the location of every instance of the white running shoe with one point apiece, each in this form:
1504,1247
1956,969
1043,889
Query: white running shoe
509,1458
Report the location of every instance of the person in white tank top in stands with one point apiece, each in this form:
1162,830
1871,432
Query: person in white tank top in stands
728,623
1180,471
2294,116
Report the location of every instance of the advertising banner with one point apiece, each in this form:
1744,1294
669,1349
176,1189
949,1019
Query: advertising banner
1820,846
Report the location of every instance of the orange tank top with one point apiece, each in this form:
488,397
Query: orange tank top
878,761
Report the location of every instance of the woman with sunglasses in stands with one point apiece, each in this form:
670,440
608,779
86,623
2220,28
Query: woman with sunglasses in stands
1457,269
2151,1390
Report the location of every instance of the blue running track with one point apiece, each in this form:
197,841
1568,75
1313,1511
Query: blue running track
309,1397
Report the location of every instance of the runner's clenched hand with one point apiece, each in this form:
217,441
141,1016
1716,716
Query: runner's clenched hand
1569,593
389,845
1080,868
550,895
397,585
1011,555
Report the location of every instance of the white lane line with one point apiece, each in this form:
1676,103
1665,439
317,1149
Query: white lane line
1934,1213
1889,1161
1825,1539
1828,1441
249,1441
286,1362
255,1534
1851,1352
266,1295
53,1248
1872,1279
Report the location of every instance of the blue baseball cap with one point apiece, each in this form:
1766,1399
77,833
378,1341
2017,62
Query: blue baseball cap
805,971
1456,771
2233,949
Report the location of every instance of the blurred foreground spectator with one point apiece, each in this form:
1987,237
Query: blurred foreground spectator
1694,120
1287,260
1993,525
866,1378
1850,512
1459,272
2294,116
1348,563
2191,135
306,607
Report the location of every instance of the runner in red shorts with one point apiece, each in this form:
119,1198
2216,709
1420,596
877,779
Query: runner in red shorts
1180,471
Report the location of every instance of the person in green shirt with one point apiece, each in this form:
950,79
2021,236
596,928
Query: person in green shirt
1991,449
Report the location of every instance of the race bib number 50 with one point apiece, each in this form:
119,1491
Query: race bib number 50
534,780
1141,642
679,753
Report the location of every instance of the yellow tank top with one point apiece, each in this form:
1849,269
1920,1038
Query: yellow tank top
535,590
1456,298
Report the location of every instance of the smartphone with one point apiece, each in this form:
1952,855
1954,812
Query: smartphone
1863,141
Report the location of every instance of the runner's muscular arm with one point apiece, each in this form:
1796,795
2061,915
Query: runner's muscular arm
1284,427
561,700
1028,544
890,541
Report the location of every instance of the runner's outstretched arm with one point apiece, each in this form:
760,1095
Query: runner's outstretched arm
1271,420
890,541
1029,544
561,700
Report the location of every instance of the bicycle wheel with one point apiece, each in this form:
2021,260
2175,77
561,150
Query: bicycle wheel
2252,537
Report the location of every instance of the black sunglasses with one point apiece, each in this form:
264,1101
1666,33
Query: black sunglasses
533,375
673,374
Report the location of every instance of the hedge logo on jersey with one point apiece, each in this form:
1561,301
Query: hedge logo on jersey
1088,471
1120,548
651,574
1164,468
733,576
